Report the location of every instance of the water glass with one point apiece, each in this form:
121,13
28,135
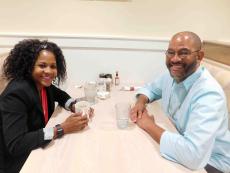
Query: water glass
122,114
101,87
83,107
90,90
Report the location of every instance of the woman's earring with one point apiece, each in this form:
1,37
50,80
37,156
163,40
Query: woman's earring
55,81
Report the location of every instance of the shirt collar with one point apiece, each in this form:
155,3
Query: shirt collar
190,80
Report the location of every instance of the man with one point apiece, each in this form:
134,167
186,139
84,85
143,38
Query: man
196,105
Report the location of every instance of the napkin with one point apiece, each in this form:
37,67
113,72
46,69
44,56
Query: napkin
129,88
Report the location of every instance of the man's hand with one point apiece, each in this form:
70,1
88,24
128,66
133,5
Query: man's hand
137,111
146,121
148,124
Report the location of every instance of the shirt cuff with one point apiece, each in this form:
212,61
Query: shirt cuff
67,104
48,133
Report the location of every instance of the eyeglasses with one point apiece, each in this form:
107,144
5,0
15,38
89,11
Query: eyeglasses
182,53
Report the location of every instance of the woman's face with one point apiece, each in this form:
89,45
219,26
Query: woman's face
45,69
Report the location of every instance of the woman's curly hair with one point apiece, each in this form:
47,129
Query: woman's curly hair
21,60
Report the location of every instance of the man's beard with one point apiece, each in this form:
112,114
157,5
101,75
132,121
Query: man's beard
188,70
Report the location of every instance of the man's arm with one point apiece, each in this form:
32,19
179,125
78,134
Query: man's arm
148,124
149,93
193,146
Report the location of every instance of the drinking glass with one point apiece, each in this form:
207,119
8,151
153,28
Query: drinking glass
122,114
90,90
101,87
83,106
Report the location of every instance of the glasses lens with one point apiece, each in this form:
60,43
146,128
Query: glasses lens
170,53
183,53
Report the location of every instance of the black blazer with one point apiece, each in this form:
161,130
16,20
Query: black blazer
22,120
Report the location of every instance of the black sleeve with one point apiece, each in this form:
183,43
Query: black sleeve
14,107
59,95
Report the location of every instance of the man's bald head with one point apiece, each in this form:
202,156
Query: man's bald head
191,36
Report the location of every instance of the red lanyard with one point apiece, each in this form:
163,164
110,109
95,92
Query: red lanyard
44,104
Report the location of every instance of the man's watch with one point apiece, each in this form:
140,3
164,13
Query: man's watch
60,131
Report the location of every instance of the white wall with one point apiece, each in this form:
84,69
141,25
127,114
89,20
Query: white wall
105,36
133,19
138,61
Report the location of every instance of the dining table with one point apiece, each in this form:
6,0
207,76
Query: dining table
102,147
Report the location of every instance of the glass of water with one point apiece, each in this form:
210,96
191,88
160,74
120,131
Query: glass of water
101,86
122,114
90,89
83,107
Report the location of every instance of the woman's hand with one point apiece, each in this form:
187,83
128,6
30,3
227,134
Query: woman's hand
74,122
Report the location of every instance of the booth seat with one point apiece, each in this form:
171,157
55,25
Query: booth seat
3,81
221,73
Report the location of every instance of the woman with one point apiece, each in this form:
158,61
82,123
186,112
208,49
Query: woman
28,102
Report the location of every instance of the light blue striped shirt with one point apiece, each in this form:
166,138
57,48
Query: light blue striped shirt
197,107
